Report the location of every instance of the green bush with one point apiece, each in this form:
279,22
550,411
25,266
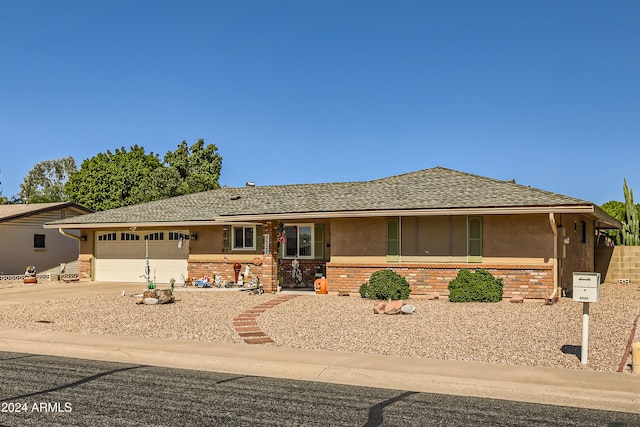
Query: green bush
385,285
479,286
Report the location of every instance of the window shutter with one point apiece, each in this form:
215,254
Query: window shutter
259,238
393,240
226,239
475,239
318,241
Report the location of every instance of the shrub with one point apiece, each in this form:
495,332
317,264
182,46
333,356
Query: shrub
385,285
479,286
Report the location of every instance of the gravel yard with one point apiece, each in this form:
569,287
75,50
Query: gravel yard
528,334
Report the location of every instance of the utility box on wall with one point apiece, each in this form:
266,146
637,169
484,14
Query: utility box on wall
586,287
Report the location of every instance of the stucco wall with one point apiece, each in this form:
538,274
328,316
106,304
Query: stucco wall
517,236
17,246
575,255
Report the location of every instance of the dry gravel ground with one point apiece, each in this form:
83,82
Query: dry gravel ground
528,334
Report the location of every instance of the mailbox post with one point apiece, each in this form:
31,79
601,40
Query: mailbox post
586,289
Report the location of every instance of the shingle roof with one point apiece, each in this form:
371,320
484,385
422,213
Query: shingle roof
434,188
10,212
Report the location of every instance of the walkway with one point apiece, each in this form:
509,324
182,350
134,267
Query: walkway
246,325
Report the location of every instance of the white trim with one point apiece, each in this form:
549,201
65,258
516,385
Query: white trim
233,237
298,256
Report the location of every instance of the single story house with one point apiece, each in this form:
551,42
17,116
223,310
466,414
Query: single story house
425,225
24,241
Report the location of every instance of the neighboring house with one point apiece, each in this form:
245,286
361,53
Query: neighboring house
425,225
24,241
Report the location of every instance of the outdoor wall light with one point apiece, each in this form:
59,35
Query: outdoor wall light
194,236
83,237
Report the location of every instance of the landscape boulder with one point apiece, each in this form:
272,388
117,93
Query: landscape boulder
408,309
393,307
156,296
378,308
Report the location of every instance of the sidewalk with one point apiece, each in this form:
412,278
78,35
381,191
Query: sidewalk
585,389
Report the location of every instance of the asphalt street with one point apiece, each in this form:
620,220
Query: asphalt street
41,390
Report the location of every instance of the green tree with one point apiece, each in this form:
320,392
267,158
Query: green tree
617,210
46,181
198,166
186,170
112,180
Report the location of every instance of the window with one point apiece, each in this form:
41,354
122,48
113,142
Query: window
107,237
583,232
129,236
38,241
438,238
244,237
299,242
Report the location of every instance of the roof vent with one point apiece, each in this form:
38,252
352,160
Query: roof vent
250,184
235,197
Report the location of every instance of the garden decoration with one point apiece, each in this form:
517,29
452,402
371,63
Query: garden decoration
30,274
296,272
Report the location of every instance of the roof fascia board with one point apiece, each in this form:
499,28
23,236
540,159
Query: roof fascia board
605,220
131,224
581,209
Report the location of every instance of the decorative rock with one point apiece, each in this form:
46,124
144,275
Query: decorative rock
517,299
162,296
151,301
165,296
408,309
433,295
378,308
150,294
393,307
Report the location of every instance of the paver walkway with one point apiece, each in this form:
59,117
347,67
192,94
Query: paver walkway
246,325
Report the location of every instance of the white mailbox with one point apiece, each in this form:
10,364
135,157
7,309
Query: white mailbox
586,287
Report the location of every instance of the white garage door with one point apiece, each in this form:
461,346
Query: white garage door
121,256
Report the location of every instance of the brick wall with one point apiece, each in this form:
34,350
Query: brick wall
84,266
309,269
531,282
199,269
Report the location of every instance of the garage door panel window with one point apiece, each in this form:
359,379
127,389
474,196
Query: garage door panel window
129,236
178,236
155,236
107,237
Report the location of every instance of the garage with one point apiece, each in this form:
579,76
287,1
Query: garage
121,255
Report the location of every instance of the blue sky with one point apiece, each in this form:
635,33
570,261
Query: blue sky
543,92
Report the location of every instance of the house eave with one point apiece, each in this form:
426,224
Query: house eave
152,224
603,220
507,210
